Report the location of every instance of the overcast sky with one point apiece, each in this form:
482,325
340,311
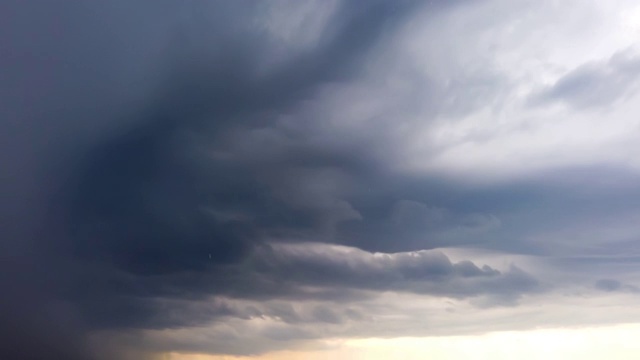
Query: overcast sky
311,179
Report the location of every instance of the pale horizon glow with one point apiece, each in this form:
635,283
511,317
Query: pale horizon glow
615,342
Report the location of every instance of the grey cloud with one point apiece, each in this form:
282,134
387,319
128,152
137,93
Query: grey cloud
407,213
99,102
425,272
392,225
162,176
308,272
612,285
325,314
147,188
595,84
608,285
113,116
325,274
592,213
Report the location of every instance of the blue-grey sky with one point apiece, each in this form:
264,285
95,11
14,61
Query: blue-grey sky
250,178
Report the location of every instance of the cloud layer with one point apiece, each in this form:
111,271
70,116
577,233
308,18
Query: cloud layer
243,177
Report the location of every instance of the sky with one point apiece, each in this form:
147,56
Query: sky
319,179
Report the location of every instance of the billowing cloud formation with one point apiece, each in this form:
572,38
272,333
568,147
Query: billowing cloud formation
183,173
422,272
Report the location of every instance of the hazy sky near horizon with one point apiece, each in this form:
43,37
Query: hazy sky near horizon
296,179
616,342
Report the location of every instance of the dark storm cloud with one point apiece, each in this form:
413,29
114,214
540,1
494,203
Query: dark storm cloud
60,62
152,195
290,272
123,188
157,179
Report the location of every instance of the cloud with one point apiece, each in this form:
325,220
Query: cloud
114,124
294,271
428,272
611,285
232,177
595,84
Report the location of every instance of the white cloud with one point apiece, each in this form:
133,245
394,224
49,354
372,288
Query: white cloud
451,91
